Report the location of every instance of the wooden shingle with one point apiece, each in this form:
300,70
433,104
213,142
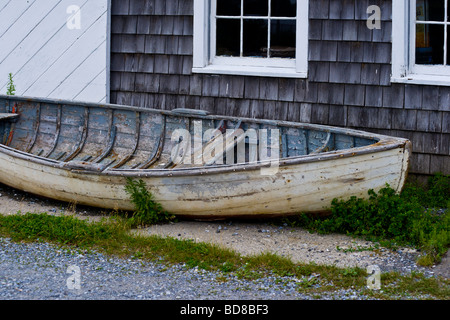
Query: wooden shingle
420,163
343,72
320,113
169,83
413,97
370,73
393,96
120,7
141,7
444,99
439,163
343,51
160,7
286,89
175,65
319,9
210,87
269,89
251,87
374,96
332,30
195,86
342,9
337,116
319,71
145,63
315,29
143,25
423,118
184,85
384,120
445,144
354,95
435,122
305,112
404,119
430,98
330,93
161,64
350,30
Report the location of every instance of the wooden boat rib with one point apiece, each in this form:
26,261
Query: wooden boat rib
83,153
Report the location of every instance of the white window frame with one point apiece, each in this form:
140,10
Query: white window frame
204,62
404,69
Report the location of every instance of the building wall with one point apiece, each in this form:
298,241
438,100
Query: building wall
348,84
52,55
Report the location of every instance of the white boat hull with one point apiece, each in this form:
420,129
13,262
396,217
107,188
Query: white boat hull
305,186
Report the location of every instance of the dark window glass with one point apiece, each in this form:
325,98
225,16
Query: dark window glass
430,10
284,8
429,44
228,7
448,45
255,38
256,8
282,38
227,37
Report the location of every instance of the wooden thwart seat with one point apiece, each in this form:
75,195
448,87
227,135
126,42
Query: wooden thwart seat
8,116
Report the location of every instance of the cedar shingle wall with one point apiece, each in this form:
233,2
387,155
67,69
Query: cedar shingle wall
348,84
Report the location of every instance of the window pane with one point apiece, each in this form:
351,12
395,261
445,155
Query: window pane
256,8
227,34
448,45
255,38
282,38
429,44
228,7
430,10
284,8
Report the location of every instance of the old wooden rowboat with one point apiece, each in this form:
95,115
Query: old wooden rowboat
83,153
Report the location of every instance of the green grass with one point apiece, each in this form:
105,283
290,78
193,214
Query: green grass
112,236
392,219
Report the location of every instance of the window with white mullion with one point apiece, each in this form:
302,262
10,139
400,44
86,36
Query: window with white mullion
429,37
253,37
257,25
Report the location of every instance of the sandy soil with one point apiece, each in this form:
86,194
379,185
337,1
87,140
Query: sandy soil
248,237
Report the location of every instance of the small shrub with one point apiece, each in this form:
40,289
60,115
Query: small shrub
147,211
436,194
410,218
11,88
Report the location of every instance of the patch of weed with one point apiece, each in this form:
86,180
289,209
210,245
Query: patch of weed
147,211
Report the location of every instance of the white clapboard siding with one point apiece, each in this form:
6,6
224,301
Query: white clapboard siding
46,57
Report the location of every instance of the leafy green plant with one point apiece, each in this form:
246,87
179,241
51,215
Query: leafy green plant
436,194
11,88
404,219
147,211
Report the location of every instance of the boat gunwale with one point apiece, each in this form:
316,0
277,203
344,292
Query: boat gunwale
383,143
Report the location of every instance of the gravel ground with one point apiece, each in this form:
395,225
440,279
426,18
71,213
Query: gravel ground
39,271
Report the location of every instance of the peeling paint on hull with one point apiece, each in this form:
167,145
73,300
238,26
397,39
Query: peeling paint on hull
303,183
